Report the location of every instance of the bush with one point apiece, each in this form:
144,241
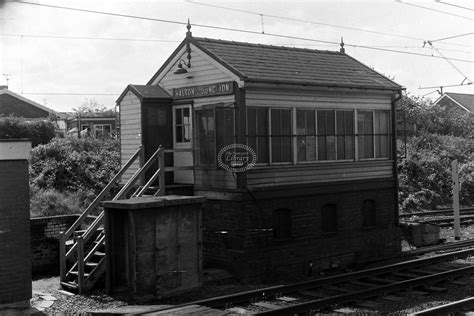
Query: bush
74,167
51,202
39,132
424,176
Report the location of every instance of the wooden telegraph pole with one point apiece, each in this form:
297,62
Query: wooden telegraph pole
456,222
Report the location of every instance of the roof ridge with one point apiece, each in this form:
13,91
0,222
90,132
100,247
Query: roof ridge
470,94
267,45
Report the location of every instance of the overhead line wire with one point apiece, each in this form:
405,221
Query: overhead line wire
450,37
312,22
90,38
431,9
238,30
454,5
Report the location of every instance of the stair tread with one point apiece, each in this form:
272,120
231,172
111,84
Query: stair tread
76,273
69,285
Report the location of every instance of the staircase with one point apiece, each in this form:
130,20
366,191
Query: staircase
82,250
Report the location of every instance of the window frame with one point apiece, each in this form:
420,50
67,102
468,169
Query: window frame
354,134
102,129
213,108
175,125
374,143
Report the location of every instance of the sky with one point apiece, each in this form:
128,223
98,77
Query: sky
64,58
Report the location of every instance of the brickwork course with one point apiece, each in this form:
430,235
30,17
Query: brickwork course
15,254
238,235
45,242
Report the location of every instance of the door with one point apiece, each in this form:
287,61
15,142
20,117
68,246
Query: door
182,139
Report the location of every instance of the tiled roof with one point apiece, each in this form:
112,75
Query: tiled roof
150,92
267,63
466,100
145,92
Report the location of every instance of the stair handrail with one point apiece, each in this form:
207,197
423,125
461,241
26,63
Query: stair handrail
102,194
122,193
64,236
79,247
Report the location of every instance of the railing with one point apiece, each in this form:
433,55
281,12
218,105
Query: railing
64,237
80,240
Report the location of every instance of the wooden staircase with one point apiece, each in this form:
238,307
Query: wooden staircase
82,249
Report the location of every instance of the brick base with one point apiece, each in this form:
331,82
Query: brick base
238,234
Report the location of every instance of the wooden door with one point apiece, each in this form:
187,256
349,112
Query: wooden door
182,139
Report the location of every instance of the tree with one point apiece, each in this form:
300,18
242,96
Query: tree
90,107
432,118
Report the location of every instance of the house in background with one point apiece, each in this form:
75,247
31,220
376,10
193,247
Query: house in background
461,101
16,105
93,126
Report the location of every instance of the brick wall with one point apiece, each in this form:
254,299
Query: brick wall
45,242
239,236
15,256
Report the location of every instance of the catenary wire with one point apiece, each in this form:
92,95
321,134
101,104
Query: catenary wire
236,30
313,22
454,5
431,9
90,38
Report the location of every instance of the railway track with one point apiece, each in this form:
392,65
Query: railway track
461,307
441,218
418,276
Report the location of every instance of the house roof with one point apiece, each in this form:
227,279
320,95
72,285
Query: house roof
145,92
464,100
279,64
12,103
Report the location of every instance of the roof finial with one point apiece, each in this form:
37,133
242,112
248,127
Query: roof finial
342,50
188,33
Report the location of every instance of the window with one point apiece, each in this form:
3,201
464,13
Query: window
345,135
206,134
368,213
318,135
182,124
282,224
373,129
382,134
329,218
215,129
326,135
365,122
102,130
281,135
306,135
333,139
257,132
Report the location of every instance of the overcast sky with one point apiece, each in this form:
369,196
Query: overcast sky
60,58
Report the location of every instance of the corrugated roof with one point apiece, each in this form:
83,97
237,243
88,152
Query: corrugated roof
466,100
267,63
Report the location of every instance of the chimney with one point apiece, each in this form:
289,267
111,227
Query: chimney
3,87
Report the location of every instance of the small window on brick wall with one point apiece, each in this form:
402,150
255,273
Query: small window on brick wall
282,224
329,218
368,214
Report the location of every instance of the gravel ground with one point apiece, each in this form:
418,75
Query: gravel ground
81,303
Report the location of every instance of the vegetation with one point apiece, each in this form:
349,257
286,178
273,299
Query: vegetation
39,132
67,173
91,107
441,136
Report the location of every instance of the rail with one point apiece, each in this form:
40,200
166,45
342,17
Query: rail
420,272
